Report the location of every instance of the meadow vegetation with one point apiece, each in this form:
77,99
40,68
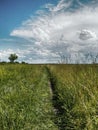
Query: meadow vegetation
76,89
48,97
25,99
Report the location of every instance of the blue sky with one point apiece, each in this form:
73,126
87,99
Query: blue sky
36,29
13,12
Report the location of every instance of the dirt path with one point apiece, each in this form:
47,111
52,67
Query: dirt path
57,104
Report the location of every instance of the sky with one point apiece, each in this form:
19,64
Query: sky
44,31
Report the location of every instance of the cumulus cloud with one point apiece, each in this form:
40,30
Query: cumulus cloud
62,30
87,34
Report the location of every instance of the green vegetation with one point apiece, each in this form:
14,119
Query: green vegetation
48,97
12,57
25,99
76,90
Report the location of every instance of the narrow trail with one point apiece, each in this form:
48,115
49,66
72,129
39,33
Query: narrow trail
57,104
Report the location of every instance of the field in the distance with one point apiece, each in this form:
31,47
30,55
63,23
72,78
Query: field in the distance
48,97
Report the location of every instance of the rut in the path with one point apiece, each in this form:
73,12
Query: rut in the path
57,104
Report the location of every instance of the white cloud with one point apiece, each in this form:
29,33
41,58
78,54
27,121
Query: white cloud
87,34
60,6
59,30
4,54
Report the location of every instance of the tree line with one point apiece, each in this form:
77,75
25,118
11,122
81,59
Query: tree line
12,58
63,59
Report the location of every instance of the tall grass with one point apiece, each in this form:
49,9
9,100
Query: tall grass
77,91
25,99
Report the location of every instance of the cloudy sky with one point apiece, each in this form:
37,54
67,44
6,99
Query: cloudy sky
41,31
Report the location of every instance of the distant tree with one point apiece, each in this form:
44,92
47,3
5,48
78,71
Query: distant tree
16,62
3,62
12,57
23,62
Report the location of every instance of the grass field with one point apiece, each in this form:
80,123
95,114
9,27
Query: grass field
48,97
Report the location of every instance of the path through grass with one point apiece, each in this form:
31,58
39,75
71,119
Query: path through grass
25,99
48,97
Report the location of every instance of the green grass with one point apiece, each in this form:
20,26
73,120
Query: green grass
77,96
25,99
28,103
